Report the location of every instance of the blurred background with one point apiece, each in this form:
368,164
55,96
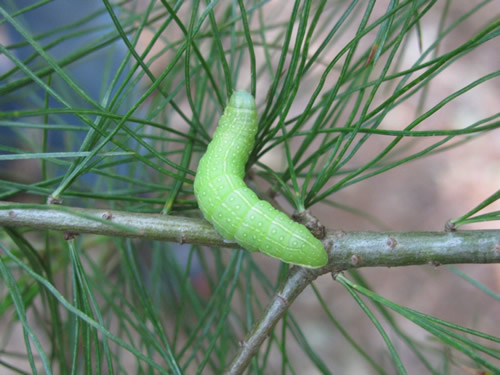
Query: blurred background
419,196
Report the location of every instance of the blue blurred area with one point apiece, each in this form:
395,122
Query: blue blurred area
92,73
89,71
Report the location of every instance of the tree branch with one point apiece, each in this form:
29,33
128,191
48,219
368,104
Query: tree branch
346,250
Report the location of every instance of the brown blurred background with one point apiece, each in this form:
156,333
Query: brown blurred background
419,196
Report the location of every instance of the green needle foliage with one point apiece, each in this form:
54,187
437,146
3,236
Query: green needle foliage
113,105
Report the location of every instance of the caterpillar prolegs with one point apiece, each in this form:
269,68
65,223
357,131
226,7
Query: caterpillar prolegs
234,210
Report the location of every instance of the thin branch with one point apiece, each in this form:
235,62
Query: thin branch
298,279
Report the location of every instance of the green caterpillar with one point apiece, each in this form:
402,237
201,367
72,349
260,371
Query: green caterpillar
234,210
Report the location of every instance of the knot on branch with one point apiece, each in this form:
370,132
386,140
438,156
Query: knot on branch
311,222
